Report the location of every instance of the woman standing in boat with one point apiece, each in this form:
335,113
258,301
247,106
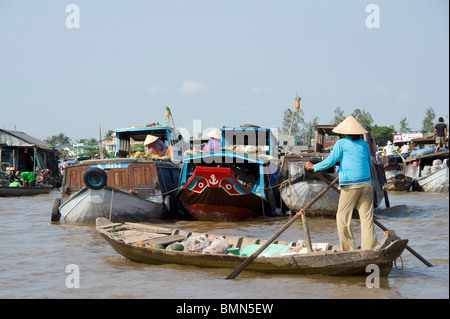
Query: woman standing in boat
355,182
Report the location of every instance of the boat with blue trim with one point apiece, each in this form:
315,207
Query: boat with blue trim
235,182
131,187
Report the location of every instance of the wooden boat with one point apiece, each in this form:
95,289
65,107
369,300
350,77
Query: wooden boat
234,183
396,180
297,192
428,168
148,243
6,191
436,182
298,187
122,189
20,152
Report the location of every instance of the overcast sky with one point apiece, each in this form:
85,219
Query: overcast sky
224,62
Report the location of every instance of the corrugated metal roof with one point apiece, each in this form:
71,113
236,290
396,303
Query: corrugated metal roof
17,138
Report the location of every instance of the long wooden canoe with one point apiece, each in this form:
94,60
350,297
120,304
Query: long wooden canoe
136,241
6,191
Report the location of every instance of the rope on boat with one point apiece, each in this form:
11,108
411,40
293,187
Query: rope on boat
395,263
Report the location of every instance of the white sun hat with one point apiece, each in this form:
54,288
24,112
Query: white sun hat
215,134
150,139
350,126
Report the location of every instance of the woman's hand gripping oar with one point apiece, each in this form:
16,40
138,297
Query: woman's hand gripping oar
282,229
376,222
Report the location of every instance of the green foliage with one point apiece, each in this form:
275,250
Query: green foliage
287,118
382,134
108,134
428,121
138,148
310,129
59,139
363,117
338,115
404,126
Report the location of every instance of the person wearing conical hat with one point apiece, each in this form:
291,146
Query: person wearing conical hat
215,141
154,146
355,182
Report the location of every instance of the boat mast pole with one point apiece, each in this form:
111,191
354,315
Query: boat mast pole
289,137
100,144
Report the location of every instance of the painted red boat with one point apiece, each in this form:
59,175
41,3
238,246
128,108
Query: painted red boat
235,182
214,193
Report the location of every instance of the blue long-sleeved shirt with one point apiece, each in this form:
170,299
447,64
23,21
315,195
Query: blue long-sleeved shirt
355,161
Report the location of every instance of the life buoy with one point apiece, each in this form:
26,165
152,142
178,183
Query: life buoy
95,178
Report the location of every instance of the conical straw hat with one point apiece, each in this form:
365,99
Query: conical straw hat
150,139
215,133
350,126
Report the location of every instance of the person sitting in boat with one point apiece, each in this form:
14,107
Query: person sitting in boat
404,152
154,146
28,179
215,141
388,150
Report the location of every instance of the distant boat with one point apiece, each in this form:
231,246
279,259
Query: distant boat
124,188
396,180
428,168
6,191
436,182
234,183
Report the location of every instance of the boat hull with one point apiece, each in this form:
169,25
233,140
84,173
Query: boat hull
116,205
118,189
215,194
24,191
397,181
217,206
297,195
328,262
436,182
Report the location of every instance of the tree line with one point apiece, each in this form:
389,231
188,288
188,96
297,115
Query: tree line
91,144
382,134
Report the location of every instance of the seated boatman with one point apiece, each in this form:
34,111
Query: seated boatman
154,146
215,141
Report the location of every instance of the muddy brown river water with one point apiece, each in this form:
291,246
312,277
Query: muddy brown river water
37,256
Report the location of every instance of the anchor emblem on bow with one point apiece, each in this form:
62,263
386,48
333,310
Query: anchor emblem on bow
213,180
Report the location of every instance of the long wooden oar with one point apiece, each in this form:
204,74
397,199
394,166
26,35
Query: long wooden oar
282,229
376,222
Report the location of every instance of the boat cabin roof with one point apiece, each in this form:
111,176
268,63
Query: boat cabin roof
327,129
242,137
140,133
422,142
